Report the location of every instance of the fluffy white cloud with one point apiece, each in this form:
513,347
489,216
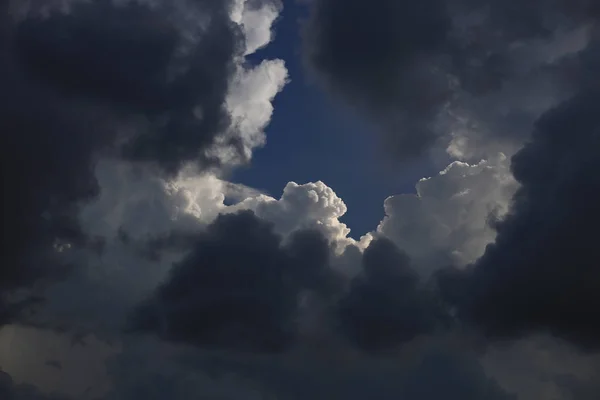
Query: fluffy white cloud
309,206
448,219
250,104
253,88
256,19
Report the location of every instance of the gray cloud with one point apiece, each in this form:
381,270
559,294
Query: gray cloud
239,286
243,283
387,304
162,78
440,66
542,272
459,71
180,373
375,56
134,79
243,287
9,390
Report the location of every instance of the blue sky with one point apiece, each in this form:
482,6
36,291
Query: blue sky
310,138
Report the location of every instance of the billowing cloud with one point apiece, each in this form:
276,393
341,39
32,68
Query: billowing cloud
122,119
387,304
542,273
250,105
113,76
244,286
312,205
162,77
238,288
449,220
129,86
453,71
256,19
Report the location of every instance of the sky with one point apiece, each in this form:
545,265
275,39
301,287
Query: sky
312,138
303,199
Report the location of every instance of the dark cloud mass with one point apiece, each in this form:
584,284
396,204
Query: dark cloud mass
238,288
375,54
409,62
139,64
145,82
387,304
543,272
404,62
10,390
431,376
97,78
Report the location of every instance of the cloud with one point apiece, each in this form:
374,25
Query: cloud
439,73
250,104
245,286
167,371
390,36
238,288
542,367
117,165
387,304
103,78
313,205
134,208
164,81
256,18
541,274
57,362
129,86
12,391
449,220
47,165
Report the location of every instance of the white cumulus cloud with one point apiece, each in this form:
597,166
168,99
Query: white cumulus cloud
448,219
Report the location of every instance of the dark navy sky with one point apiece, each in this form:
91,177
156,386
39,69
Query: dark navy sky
311,139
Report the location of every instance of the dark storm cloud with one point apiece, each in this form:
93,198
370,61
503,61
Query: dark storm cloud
238,288
133,60
9,390
47,146
374,55
543,272
387,304
433,375
99,78
402,62
437,375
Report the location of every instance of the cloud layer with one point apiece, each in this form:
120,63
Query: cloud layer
456,73
122,119
161,85
541,274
